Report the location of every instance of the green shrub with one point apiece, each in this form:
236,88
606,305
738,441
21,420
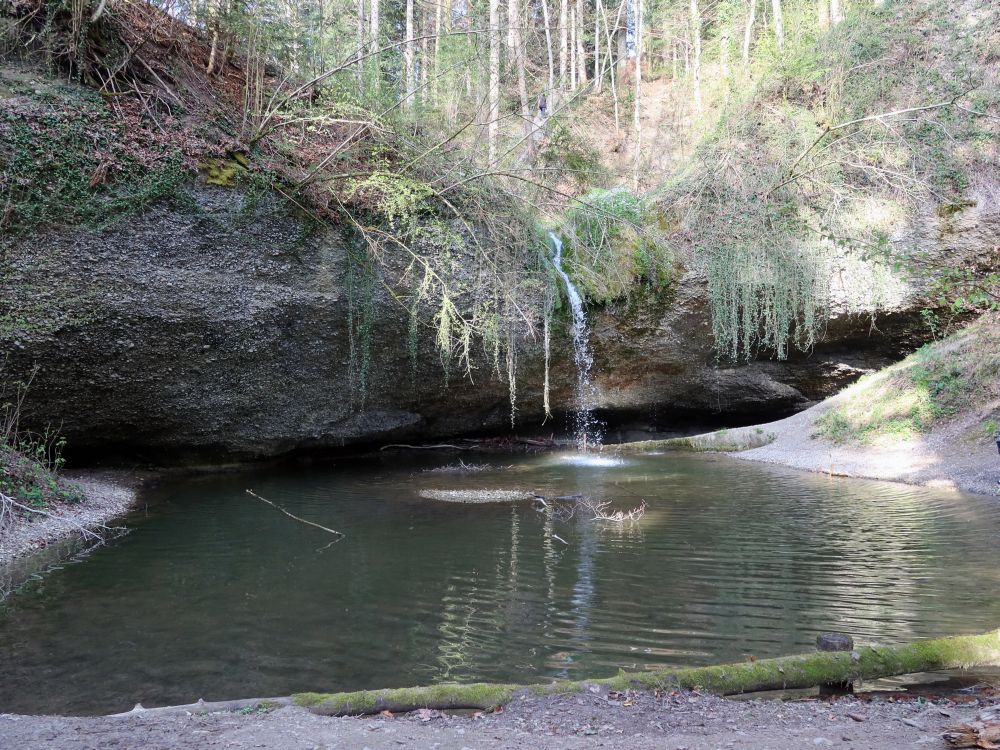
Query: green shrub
612,246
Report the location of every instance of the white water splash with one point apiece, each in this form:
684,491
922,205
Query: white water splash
586,428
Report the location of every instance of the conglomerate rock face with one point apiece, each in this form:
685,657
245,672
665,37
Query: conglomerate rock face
200,331
208,329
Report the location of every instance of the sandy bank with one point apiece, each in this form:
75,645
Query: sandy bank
109,495
943,458
632,721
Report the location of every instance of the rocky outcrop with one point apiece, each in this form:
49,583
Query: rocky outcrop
211,328
656,362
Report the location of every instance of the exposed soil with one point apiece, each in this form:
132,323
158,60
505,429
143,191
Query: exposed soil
674,721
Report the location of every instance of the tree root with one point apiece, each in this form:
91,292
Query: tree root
787,672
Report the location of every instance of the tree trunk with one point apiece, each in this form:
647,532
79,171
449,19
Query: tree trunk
493,116
779,23
409,55
612,73
696,43
376,42
424,55
360,67
563,41
724,52
748,33
638,95
836,12
438,12
572,49
517,51
784,673
548,43
598,73
213,11
581,52
213,51
823,14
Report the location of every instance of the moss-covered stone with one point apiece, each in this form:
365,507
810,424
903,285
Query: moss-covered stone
224,172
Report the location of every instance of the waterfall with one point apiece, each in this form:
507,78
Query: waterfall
585,426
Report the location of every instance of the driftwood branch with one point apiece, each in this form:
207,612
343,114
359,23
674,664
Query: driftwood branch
789,672
8,505
205,707
339,534
426,447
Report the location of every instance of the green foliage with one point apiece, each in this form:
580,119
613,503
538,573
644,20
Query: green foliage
27,477
395,199
67,165
938,382
612,246
30,463
783,201
571,155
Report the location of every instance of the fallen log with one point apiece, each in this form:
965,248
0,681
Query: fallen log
206,707
787,672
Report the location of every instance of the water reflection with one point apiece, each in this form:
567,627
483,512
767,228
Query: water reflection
214,595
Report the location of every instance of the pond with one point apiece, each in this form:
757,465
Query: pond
215,594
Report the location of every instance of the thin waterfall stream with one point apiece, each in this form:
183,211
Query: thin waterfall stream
586,428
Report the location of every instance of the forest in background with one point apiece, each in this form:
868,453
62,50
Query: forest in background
784,148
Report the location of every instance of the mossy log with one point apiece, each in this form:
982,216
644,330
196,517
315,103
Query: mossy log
803,671
787,672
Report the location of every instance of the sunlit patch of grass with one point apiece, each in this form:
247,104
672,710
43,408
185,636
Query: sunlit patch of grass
940,381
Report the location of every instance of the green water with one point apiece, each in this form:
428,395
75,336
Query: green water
215,594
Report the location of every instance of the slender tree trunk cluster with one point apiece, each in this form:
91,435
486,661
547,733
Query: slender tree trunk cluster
587,45
493,115
696,45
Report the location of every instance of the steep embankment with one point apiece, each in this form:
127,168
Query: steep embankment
825,201
218,320
931,419
176,300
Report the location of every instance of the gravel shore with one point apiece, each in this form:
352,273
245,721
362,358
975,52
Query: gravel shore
109,495
632,721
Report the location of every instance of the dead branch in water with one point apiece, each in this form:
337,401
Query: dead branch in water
601,512
339,534
484,445
564,507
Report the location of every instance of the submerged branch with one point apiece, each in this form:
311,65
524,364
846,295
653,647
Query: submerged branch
339,534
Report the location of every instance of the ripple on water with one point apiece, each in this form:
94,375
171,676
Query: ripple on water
214,595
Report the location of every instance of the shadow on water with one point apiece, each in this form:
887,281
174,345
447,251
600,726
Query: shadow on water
216,595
